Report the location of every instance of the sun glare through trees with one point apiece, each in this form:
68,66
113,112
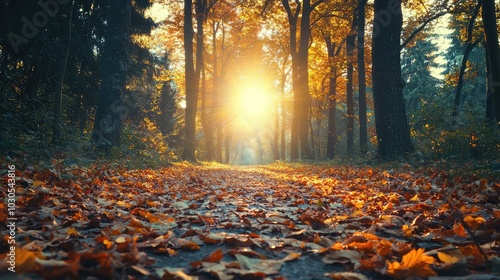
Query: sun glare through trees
254,102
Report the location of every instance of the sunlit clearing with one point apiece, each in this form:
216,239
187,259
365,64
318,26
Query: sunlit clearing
254,102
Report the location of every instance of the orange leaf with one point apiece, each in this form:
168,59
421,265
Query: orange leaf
384,247
136,223
152,203
460,230
474,223
188,245
291,257
414,263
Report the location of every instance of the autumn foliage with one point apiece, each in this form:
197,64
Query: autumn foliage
263,222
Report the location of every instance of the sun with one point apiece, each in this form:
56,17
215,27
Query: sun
254,101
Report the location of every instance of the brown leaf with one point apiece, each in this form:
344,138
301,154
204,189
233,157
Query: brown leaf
214,257
185,244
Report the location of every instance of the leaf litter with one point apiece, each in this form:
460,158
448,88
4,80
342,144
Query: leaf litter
254,222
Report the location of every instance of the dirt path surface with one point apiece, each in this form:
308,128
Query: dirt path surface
253,222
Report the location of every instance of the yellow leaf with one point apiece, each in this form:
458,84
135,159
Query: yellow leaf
388,207
37,183
446,258
291,257
73,232
108,244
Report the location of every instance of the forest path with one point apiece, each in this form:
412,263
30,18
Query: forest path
275,221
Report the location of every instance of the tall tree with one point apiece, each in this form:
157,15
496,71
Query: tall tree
300,71
351,39
393,134
491,36
114,60
65,47
469,47
363,123
192,73
333,52
191,84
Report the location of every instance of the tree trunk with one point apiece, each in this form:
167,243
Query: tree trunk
311,130
283,118
192,83
86,107
333,51
491,36
206,123
218,147
217,114
292,22
300,76
332,111
319,130
457,106
393,134
302,89
350,94
76,110
363,123
276,134
227,147
261,150
332,102
489,88
111,109
56,132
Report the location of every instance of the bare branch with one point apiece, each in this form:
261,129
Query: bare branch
315,4
420,28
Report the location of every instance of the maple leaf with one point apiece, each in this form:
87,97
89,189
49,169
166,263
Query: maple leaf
414,264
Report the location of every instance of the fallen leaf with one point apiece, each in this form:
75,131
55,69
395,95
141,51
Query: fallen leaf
214,257
415,263
258,265
346,276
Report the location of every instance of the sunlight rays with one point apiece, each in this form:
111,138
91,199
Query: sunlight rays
253,101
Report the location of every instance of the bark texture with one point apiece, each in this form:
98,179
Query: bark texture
393,134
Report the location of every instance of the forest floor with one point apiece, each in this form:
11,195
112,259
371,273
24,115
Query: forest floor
279,221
